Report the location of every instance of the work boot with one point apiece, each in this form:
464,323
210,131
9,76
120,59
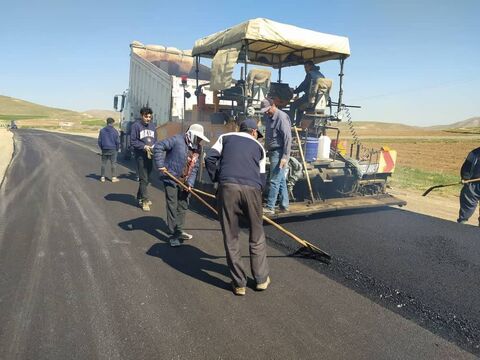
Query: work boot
268,211
145,206
102,179
115,179
174,242
264,285
182,235
239,291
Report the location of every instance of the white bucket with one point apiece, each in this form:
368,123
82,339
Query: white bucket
323,148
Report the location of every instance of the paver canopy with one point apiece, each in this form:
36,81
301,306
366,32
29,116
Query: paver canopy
274,44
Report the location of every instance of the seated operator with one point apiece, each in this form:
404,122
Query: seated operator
298,105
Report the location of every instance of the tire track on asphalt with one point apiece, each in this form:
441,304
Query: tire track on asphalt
99,229
25,295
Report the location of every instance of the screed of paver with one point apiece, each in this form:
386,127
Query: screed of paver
6,150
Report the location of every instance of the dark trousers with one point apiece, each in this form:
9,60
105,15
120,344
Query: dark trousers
469,198
234,201
109,155
297,109
144,166
177,205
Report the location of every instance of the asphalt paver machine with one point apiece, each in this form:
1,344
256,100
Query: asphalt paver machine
324,174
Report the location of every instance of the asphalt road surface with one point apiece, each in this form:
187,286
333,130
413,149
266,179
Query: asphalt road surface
85,274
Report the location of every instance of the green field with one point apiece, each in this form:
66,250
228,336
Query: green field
93,122
415,179
21,117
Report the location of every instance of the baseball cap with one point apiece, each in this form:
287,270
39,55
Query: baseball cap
248,124
265,104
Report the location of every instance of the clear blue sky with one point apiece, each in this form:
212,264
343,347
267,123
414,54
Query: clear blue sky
413,61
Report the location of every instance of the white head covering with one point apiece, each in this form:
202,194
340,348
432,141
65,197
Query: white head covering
193,131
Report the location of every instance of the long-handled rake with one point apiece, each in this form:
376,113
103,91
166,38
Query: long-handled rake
444,185
308,249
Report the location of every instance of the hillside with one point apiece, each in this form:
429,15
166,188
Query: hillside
373,128
28,114
473,122
11,109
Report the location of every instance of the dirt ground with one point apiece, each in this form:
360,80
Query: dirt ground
6,150
425,154
439,206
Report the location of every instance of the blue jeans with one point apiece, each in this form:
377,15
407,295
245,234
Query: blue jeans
278,182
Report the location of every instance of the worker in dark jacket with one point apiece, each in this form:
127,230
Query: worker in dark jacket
142,139
470,194
179,155
297,107
237,163
109,143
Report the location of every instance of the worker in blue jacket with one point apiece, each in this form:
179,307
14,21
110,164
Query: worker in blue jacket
470,194
109,143
142,139
180,156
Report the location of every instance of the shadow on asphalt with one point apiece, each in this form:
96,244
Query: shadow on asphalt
193,262
131,176
128,199
93,176
152,225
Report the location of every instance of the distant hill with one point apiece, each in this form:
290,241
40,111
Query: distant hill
473,122
21,109
374,128
28,114
31,114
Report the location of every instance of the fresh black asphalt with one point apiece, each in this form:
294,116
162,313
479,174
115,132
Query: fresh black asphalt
86,274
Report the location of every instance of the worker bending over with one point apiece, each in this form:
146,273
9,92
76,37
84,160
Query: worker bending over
179,155
237,163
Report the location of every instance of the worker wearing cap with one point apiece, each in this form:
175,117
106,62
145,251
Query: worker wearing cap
237,163
179,155
470,194
278,134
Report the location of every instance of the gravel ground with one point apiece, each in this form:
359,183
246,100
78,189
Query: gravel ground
6,151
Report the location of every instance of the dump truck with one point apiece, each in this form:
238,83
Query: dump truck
322,176
164,79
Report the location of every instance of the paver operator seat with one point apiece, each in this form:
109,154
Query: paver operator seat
318,97
258,84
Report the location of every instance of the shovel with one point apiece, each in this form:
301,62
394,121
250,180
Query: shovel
308,249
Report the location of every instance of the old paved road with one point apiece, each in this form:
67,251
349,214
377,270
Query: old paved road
84,274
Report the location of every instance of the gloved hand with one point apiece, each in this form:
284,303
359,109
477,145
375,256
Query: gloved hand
148,150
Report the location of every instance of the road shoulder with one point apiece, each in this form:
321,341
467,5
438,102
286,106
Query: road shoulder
6,151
